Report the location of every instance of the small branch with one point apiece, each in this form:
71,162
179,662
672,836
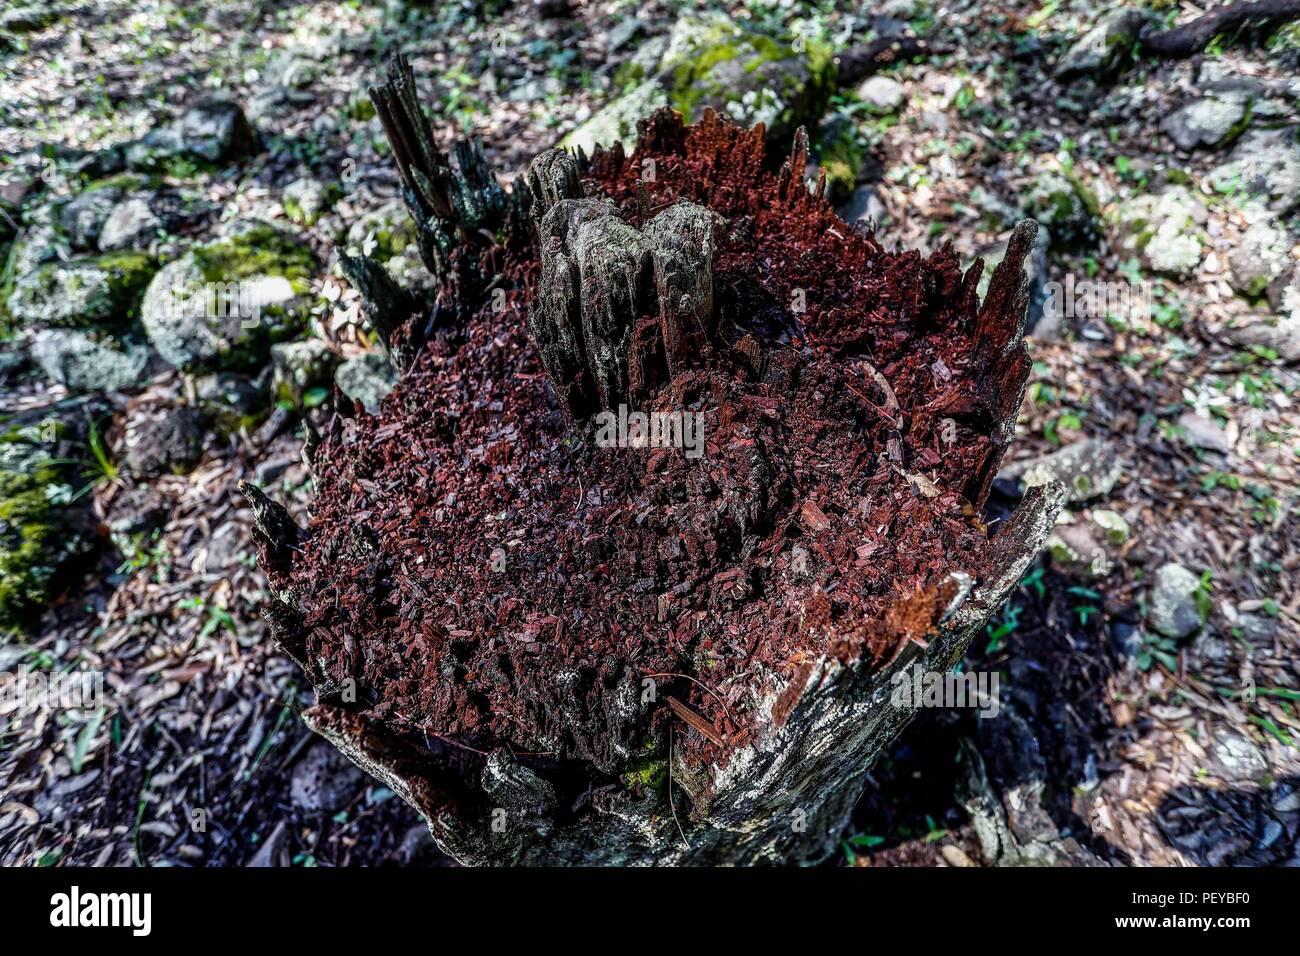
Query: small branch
1191,38
859,62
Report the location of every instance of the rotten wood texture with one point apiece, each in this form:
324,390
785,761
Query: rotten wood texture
1191,38
600,276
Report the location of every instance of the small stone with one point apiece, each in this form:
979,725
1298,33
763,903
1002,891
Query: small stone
1202,433
1114,528
163,440
1237,757
213,131
83,217
131,224
133,516
366,379
306,200
1208,121
232,400
1065,205
323,780
864,207
1174,610
299,366
882,94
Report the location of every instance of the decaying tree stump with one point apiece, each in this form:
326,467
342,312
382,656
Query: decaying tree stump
678,645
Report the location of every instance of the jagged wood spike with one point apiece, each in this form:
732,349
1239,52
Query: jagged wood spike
388,306
274,531
310,445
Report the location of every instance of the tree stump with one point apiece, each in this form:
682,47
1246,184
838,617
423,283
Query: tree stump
681,474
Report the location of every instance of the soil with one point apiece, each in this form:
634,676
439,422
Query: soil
488,576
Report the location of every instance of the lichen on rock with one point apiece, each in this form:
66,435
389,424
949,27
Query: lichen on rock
222,304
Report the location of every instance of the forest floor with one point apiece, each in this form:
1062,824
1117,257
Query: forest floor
1141,741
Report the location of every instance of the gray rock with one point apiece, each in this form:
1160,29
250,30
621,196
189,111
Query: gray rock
213,131
1088,468
882,94
1237,757
163,439
221,305
366,379
1100,51
323,780
298,366
1173,610
83,216
1259,629
1263,167
91,361
1279,334
80,292
232,400
1260,257
28,17
1164,230
132,223
1207,121
1065,206
1202,433
270,103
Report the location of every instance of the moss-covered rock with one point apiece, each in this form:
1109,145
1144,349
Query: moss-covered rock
98,290
299,367
307,199
1063,203
91,360
1164,230
222,304
745,73
42,530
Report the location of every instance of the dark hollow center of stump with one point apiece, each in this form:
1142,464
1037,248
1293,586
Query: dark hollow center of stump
489,571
